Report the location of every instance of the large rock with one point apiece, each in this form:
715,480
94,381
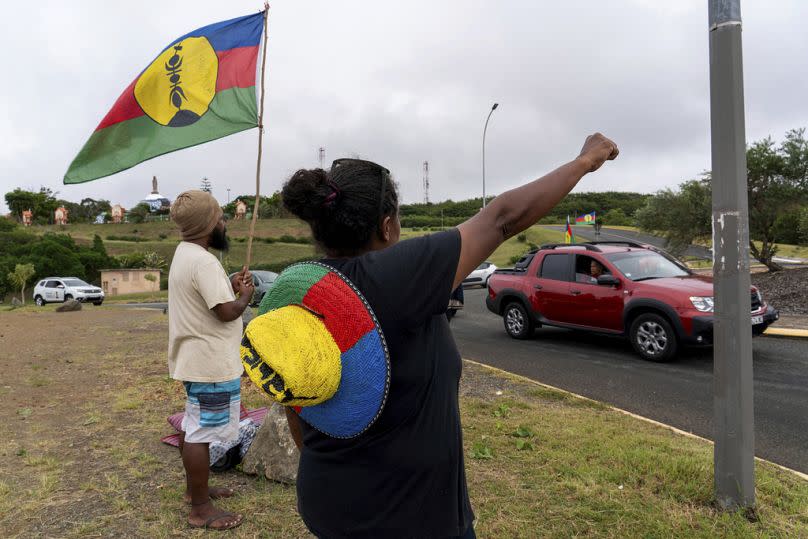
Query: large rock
69,306
15,302
273,452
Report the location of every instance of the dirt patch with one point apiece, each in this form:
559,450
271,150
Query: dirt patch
786,290
83,402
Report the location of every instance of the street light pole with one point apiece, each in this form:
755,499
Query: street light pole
484,130
228,195
734,451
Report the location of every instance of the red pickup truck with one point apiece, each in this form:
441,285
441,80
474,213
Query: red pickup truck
627,289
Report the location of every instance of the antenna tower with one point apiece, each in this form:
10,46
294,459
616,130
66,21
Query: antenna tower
426,182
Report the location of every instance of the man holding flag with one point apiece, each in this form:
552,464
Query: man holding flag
200,88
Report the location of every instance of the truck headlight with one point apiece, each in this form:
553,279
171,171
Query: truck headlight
702,303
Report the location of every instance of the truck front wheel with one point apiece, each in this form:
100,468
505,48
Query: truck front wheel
518,322
653,337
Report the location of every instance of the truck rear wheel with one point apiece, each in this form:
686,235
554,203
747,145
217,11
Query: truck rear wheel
518,323
653,337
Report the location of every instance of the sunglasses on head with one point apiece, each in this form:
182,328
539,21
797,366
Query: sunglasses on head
385,174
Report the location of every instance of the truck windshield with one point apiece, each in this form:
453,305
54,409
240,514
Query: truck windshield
642,265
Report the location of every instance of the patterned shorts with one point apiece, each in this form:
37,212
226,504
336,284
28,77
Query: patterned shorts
212,411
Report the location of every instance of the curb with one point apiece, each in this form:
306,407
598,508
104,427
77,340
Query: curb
626,412
786,332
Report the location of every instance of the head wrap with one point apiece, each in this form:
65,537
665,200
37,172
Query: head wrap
196,213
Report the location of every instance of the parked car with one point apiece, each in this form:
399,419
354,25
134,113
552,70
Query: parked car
480,275
61,289
263,281
629,289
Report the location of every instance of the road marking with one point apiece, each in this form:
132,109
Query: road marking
785,332
626,412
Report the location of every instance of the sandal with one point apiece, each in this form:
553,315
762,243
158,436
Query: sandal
208,525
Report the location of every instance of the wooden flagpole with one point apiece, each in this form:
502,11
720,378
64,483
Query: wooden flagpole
260,144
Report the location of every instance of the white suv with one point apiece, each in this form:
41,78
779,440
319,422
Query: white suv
60,289
480,275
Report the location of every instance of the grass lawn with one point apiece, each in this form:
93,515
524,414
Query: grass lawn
535,234
619,227
789,251
82,411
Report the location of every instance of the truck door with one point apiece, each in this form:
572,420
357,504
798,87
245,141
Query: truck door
598,306
551,289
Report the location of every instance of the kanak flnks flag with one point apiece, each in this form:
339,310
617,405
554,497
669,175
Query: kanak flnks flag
586,219
199,88
569,235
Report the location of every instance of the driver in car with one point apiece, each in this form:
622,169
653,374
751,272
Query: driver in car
595,270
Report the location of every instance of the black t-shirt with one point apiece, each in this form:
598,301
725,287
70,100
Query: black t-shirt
404,477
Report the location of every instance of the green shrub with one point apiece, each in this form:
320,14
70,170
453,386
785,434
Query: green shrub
124,238
521,238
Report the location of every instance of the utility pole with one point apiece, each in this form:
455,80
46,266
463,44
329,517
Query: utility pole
734,451
322,156
426,182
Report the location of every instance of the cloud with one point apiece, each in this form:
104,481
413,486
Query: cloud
402,83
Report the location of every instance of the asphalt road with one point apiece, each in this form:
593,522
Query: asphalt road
678,394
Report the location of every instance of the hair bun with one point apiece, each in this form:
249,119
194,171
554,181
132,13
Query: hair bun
306,193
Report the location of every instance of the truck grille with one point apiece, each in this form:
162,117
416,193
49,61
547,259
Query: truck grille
755,301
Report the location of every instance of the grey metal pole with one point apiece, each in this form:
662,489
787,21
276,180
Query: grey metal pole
734,453
484,130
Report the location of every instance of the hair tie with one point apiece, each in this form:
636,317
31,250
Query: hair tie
332,196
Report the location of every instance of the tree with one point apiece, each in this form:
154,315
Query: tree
803,226
777,190
682,216
91,208
57,254
20,276
41,203
138,213
615,217
778,184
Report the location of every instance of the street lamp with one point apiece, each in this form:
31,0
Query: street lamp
228,195
484,130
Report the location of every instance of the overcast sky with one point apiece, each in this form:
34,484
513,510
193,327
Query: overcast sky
404,82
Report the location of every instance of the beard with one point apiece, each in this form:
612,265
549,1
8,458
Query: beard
219,240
